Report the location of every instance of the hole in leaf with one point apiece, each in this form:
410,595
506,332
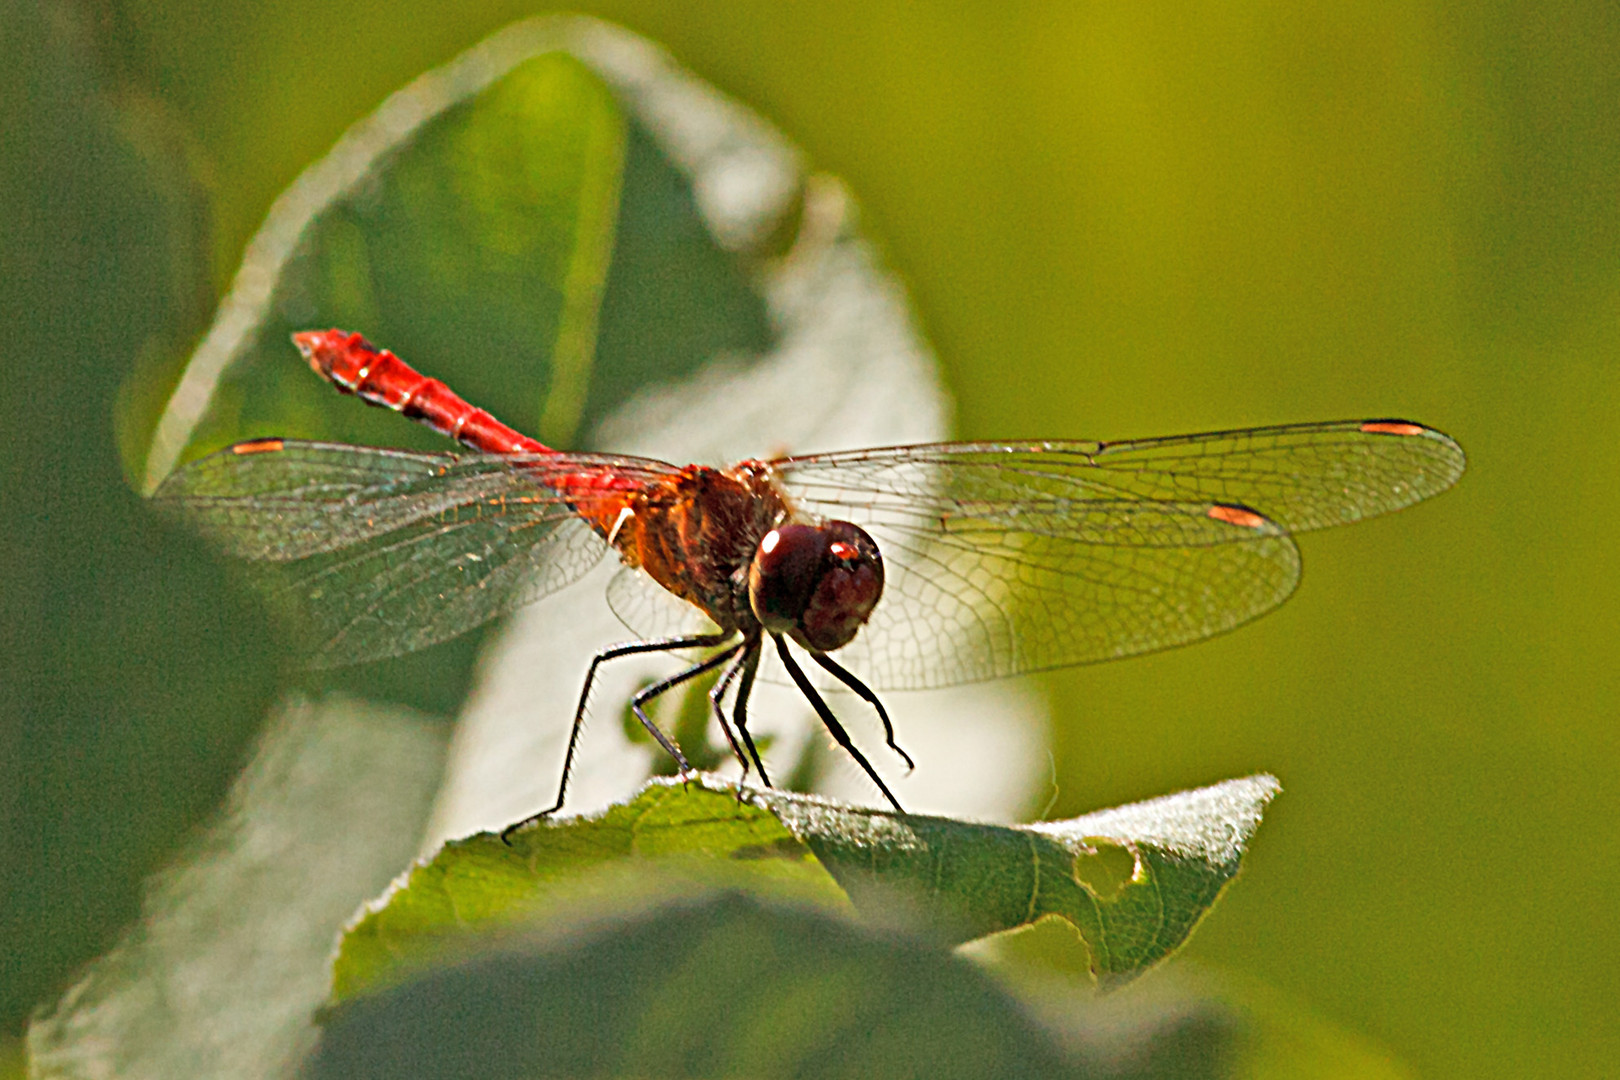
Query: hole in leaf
1106,868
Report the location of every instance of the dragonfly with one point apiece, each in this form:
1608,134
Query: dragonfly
894,568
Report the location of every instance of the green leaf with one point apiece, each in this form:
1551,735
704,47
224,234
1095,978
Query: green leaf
232,953
474,240
477,886
721,985
129,685
506,225
1132,881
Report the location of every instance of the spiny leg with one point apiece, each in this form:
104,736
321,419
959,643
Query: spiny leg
638,702
831,721
739,712
717,695
629,648
864,692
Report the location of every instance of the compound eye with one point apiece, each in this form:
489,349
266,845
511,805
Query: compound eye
784,574
818,583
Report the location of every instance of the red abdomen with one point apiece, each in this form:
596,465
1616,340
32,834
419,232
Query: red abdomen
355,366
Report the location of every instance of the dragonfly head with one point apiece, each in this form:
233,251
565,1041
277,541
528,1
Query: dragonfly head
815,583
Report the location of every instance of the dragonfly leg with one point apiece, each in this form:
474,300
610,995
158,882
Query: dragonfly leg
638,703
739,713
831,721
864,692
629,648
717,693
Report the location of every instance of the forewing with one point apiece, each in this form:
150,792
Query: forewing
1008,558
381,552
1302,476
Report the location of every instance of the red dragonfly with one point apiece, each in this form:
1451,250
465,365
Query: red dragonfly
921,566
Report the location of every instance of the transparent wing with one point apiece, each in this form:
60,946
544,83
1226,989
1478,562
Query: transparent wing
384,551
650,611
1006,558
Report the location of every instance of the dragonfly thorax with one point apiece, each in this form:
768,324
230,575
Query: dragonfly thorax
816,583
697,534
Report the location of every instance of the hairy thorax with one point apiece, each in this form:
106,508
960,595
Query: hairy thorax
697,535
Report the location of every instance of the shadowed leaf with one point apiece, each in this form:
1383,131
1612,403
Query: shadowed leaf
1133,881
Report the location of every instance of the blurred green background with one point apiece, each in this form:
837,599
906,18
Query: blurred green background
1114,221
